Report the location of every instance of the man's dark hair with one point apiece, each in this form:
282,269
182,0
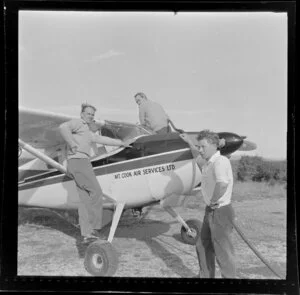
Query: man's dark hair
210,136
141,94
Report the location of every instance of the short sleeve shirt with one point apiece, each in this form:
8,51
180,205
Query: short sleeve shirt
217,169
83,138
153,114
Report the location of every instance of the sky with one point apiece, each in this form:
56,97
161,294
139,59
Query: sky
209,70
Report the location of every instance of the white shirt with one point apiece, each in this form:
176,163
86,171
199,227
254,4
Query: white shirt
217,169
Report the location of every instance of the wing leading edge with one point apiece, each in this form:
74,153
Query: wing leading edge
40,129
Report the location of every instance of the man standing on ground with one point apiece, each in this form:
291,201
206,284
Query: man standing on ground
80,140
152,115
215,241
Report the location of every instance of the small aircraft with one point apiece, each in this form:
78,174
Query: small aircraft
156,169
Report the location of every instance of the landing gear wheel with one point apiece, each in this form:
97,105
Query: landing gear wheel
191,237
101,259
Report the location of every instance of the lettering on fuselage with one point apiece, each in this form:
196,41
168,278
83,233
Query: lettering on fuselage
145,171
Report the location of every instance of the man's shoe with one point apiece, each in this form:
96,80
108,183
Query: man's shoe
89,239
98,234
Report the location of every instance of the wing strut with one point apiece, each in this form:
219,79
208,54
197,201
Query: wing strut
115,221
175,215
42,156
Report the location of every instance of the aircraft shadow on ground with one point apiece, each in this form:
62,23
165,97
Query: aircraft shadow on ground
150,232
136,230
177,237
171,260
47,218
146,230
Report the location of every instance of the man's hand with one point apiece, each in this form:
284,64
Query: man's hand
127,142
185,137
93,126
74,149
222,142
214,205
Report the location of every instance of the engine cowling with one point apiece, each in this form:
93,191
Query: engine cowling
232,142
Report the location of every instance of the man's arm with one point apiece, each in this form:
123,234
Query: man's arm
66,132
219,191
194,150
110,141
142,115
221,167
200,161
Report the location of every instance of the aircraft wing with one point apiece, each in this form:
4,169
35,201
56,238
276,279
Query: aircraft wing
40,129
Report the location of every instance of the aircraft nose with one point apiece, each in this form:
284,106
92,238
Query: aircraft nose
233,142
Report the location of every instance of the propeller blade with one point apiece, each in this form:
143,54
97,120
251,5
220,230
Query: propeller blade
247,146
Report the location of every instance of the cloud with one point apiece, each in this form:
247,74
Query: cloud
106,55
191,112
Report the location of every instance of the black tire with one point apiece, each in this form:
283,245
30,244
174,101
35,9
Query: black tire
101,259
195,226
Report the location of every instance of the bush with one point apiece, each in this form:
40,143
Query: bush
257,169
272,182
261,174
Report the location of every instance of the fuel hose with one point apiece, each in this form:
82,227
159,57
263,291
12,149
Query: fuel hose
176,129
239,231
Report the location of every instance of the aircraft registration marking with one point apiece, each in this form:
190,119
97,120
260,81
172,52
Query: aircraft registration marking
145,171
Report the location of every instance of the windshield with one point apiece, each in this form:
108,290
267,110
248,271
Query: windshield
118,130
123,131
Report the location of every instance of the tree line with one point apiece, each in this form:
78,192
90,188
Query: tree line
254,168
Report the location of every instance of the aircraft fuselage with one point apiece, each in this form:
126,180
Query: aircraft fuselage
154,168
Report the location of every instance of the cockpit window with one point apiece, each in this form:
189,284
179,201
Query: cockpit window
123,131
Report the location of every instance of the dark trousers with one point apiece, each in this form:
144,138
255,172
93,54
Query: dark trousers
90,195
214,243
163,130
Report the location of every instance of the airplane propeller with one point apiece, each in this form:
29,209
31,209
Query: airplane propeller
247,146
230,142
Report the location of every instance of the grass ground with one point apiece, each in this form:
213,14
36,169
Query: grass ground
152,247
